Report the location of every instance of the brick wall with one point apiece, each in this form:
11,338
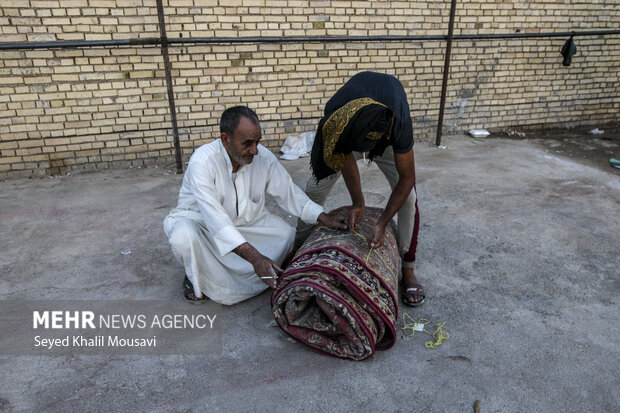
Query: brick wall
93,108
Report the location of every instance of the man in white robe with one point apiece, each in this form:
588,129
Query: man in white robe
230,245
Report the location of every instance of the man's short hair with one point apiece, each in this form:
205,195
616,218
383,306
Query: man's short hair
231,117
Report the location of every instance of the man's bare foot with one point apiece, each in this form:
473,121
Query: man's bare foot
409,278
192,297
188,292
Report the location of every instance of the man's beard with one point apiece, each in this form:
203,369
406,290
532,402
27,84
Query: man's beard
241,159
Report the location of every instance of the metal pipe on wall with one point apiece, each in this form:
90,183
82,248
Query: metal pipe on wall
446,71
168,70
148,41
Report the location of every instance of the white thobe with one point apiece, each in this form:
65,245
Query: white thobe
215,215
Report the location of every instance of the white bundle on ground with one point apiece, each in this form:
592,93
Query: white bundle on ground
297,146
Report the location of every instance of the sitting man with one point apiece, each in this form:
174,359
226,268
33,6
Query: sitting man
230,245
370,115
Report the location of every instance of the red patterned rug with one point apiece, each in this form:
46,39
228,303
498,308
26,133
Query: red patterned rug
338,295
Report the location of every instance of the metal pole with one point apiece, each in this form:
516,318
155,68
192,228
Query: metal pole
446,70
152,41
167,68
72,44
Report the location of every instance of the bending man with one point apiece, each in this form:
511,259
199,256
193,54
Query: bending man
230,245
370,115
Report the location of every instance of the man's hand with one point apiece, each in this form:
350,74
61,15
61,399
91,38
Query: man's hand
378,236
332,221
355,215
405,166
264,268
267,271
351,176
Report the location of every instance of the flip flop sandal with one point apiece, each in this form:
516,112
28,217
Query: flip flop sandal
188,288
412,290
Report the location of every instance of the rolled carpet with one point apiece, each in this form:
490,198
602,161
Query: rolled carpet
338,295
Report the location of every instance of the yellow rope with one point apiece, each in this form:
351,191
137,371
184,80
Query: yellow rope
385,263
327,228
323,239
359,234
411,326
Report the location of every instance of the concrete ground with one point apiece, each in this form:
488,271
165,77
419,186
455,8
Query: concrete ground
519,254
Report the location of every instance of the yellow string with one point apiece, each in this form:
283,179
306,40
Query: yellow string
439,335
385,263
327,228
410,324
359,234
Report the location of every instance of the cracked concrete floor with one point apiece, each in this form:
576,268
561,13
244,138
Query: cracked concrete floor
518,253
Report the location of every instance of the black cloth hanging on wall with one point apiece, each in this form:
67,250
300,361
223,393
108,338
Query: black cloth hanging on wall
568,50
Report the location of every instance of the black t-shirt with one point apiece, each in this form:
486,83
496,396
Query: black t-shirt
384,89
